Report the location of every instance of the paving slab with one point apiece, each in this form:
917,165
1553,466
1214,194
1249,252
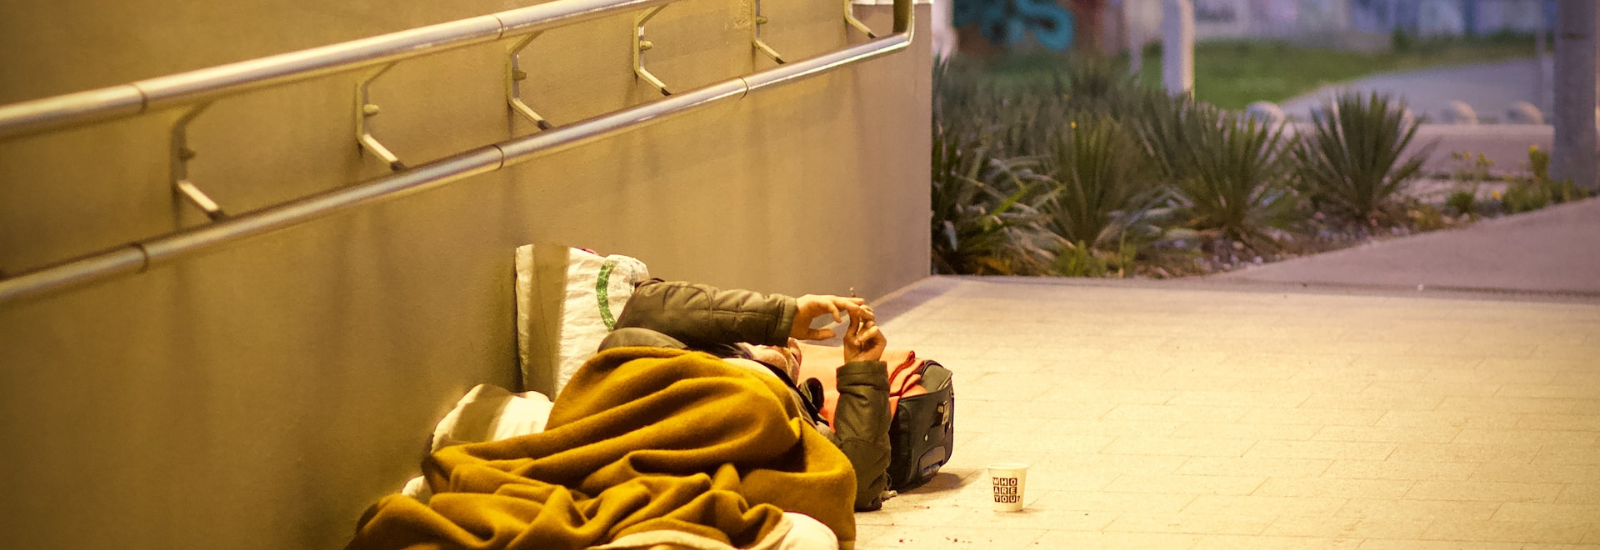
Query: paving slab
1551,251
1155,416
1489,88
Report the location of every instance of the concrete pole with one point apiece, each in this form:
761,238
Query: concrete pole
945,42
1541,55
1135,36
1177,46
1573,154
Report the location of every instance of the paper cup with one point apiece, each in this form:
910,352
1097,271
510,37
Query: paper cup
1008,480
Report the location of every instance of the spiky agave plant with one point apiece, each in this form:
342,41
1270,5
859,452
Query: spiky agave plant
1351,162
983,220
1229,173
1027,117
1100,87
1100,183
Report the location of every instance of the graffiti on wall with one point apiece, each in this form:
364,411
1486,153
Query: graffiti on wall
1216,11
1012,23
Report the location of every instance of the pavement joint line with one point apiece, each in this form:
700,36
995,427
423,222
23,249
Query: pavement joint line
1327,289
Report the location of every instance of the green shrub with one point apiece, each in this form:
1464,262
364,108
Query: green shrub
1538,190
1350,164
1538,163
1560,191
1525,195
981,222
1096,84
1081,260
1228,172
1426,218
1464,201
1078,260
1400,41
1099,183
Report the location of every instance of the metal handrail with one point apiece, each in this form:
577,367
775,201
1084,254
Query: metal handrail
140,256
139,97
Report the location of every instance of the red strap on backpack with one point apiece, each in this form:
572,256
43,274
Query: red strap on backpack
820,362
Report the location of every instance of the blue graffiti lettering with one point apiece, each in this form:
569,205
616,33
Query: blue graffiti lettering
1009,22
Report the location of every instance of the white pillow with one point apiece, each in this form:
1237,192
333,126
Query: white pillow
487,413
567,301
492,413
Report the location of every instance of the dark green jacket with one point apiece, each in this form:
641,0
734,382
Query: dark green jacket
703,318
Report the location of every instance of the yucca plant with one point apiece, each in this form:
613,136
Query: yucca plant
1099,181
1027,119
1094,78
982,221
1560,191
1228,172
1351,162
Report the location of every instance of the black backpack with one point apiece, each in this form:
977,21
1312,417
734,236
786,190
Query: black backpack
922,434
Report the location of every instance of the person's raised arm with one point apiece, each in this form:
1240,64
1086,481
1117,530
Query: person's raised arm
812,306
861,417
702,315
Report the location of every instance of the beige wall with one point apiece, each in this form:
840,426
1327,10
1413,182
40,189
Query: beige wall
262,395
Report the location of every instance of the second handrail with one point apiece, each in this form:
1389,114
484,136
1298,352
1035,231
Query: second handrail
142,96
140,256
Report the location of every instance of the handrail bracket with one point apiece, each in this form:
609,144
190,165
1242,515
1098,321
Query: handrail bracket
365,110
514,77
756,21
850,19
640,45
181,155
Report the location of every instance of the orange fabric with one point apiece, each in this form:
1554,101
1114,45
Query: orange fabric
641,439
820,362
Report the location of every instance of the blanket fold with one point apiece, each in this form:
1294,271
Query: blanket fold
641,439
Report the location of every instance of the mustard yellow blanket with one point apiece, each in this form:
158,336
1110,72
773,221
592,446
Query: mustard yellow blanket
641,439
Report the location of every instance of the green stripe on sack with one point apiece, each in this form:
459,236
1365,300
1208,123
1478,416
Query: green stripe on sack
602,288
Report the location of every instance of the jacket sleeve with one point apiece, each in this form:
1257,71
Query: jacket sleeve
861,427
702,315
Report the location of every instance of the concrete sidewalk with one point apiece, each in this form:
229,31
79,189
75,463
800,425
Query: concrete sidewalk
1210,418
1435,392
1489,88
1554,251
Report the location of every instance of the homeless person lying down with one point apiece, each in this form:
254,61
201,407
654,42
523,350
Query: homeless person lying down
685,431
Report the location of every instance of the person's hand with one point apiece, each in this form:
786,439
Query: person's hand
812,306
863,341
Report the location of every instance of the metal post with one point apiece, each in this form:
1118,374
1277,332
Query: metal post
1573,153
1541,57
1135,36
640,45
365,110
1177,47
514,77
757,20
850,19
182,188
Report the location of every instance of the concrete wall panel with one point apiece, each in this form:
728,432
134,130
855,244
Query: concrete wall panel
263,394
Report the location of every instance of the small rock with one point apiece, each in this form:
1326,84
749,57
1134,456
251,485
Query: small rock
1182,233
1458,112
1267,112
1522,112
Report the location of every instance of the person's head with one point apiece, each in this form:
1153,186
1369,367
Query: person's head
784,357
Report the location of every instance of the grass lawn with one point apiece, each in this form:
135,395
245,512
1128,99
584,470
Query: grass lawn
1233,74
